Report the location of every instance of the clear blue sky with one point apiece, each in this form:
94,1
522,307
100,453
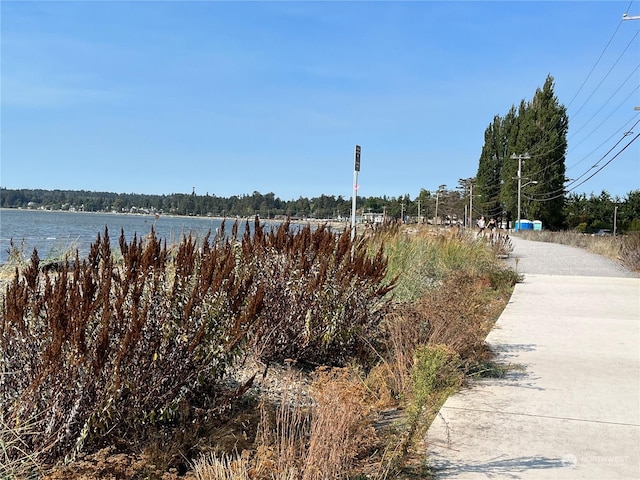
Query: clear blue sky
236,97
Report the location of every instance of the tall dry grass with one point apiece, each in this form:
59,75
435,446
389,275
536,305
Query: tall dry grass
451,289
299,440
422,259
17,459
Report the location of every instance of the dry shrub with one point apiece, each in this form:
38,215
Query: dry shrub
630,251
341,426
326,295
302,440
459,315
105,350
405,331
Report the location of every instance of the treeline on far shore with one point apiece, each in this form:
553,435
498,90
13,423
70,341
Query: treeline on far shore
267,206
580,212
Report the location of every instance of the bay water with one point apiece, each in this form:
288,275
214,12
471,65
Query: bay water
58,232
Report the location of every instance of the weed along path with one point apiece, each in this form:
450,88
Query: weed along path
569,405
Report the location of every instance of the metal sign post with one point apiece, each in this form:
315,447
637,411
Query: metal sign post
356,169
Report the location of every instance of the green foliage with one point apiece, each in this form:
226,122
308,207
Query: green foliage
538,127
581,228
435,368
435,375
494,193
634,225
589,214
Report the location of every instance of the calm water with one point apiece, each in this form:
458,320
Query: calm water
54,232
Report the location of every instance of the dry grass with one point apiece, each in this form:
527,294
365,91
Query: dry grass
223,467
630,251
17,459
299,440
341,426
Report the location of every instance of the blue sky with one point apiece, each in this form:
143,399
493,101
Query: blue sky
235,97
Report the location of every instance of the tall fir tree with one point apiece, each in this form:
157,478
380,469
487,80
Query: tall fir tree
546,136
538,128
489,176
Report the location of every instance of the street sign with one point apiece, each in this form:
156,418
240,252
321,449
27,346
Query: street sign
357,166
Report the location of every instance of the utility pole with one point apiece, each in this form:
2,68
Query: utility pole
440,188
470,205
402,212
519,158
615,220
419,211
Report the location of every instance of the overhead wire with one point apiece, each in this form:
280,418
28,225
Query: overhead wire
537,153
610,70
596,165
575,132
590,177
597,61
539,173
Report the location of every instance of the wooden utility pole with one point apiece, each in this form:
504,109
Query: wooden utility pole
519,158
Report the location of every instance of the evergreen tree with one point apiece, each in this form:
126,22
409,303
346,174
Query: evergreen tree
489,176
509,168
539,129
545,138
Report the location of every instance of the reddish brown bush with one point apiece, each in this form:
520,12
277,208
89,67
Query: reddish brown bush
325,296
100,350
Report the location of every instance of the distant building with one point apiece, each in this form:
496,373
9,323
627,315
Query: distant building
373,218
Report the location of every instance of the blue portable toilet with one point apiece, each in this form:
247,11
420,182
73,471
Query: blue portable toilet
537,225
526,225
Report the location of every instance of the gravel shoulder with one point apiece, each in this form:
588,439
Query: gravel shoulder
543,258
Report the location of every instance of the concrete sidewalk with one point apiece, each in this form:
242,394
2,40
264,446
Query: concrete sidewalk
570,408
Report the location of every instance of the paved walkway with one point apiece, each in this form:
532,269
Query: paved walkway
570,408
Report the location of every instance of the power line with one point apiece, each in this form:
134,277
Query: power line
536,152
591,176
564,189
607,74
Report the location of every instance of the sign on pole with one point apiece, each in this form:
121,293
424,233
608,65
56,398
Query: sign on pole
355,192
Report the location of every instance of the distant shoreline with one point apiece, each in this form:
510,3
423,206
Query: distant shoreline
311,221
